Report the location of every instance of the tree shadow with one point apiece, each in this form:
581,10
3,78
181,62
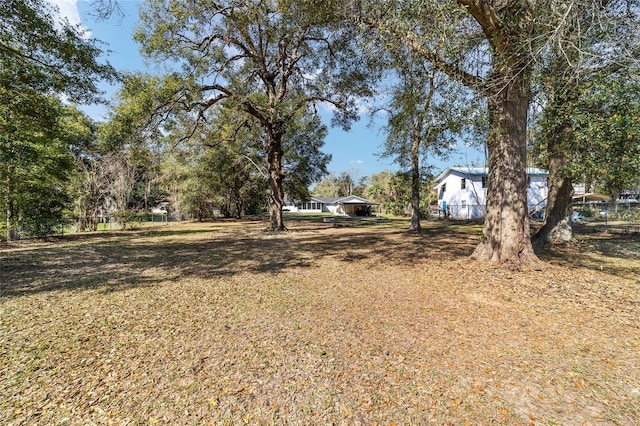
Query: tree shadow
117,261
144,258
615,254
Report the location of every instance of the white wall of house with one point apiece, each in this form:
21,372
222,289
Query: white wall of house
339,206
309,207
537,193
463,192
302,208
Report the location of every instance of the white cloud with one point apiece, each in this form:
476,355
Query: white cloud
356,162
363,106
313,76
69,9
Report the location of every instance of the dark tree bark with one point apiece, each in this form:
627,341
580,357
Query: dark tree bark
508,29
506,227
557,227
273,149
12,233
415,181
9,206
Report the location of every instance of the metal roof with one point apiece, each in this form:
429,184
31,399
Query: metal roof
484,171
351,199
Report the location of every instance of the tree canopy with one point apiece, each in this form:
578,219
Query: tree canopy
41,62
37,53
269,60
493,47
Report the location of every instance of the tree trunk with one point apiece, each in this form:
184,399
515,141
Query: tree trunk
613,205
11,232
557,227
274,153
9,223
415,181
506,227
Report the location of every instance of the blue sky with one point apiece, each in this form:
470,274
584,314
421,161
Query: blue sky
354,151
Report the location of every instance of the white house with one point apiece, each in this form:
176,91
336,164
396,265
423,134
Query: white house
340,206
462,192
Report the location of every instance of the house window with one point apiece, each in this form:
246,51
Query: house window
484,181
528,181
444,187
464,204
463,183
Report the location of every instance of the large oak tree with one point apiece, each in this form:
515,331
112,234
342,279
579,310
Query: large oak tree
598,46
268,59
493,47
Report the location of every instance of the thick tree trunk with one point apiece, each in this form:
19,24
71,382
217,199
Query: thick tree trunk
557,227
415,181
506,228
275,176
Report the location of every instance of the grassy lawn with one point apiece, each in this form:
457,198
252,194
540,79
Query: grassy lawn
352,322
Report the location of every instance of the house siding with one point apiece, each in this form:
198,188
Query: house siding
339,206
470,202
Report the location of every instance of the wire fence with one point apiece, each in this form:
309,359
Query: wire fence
100,224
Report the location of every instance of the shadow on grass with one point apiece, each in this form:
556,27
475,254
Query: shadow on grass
615,254
115,261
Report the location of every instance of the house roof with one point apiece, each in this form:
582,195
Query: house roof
591,197
325,200
351,199
482,171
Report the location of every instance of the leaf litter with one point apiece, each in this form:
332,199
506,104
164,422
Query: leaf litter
220,323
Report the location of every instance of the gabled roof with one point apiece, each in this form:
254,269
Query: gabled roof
325,200
354,199
482,171
351,199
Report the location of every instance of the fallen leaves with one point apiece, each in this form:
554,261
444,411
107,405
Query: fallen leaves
329,326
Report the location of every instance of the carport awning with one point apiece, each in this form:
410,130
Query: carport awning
358,203
591,197
354,200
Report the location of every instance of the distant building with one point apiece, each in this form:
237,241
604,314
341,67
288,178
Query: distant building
462,192
340,206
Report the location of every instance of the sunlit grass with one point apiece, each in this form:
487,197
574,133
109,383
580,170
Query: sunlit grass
329,323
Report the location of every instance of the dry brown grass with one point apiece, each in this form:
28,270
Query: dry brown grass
220,323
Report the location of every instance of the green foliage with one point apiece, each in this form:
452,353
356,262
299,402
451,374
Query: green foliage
345,184
304,162
39,54
270,62
42,60
327,186
268,58
393,192
599,125
608,133
37,143
143,112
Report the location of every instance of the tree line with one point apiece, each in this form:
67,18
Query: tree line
236,115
